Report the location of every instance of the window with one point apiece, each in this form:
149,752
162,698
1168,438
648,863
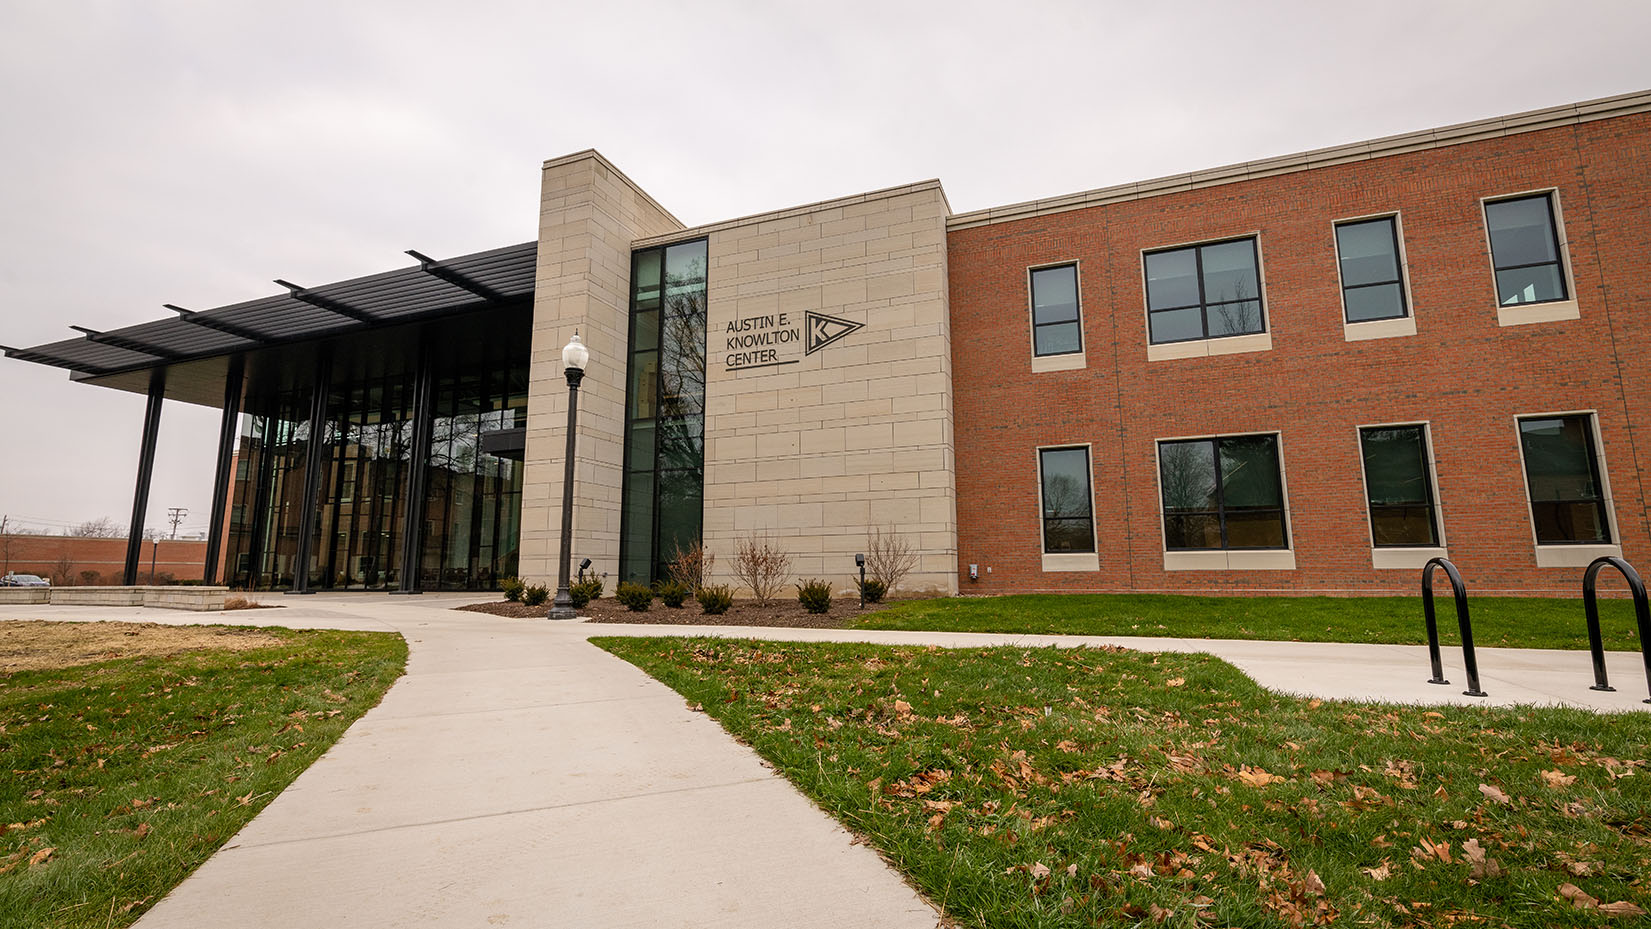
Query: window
1203,292
1398,486
1524,246
1222,493
1056,325
1372,285
1068,514
1568,504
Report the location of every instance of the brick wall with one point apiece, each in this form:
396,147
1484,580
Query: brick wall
1461,372
63,559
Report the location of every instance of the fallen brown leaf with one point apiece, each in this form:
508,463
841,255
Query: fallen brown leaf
1314,884
40,856
1380,872
1579,898
1479,865
1494,793
1621,908
1558,778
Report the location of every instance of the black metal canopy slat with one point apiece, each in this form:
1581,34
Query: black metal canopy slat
130,344
210,321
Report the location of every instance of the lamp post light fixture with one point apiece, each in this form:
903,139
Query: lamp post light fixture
574,357
860,562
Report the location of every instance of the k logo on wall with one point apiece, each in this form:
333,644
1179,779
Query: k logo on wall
762,341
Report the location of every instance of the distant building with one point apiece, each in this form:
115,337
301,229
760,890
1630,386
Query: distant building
1308,374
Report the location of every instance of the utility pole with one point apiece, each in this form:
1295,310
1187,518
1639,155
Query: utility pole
176,515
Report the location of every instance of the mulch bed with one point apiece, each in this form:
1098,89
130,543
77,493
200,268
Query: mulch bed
787,613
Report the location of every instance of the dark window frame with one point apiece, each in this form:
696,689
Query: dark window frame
1549,197
1044,518
1032,298
1203,305
1429,482
1220,511
1399,269
1590,422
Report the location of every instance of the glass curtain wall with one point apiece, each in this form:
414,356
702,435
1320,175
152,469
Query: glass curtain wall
664,410
472,504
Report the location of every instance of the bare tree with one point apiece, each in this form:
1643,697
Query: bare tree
63,572
101,528
762,566
889,556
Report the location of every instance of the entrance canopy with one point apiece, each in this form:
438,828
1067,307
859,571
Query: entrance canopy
194,346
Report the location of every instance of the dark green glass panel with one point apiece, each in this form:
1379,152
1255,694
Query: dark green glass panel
1192,530
1395,465
1065,474
1058,339
680,512
647,331
681,444
1255,528
645,280
1074,536
1249,472
1186,472
1055,295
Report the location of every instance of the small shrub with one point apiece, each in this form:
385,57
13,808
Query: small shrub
636,597
672,593
535,594
240,603
762,566
689,566
872,589
815,595
512,587
715,599
583,592
889,557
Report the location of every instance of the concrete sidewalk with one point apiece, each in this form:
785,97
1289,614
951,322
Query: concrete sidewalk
519,776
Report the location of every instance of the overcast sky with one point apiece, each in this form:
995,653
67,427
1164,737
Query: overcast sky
190,152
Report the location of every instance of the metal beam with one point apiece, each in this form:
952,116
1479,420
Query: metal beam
146,467
429,266
227,430
311,506
209,322
127,343
412,511
331,306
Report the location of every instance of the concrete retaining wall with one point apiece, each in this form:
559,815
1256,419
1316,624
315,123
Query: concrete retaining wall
11,596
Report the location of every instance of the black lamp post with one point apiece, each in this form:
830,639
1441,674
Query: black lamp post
574,357
860,562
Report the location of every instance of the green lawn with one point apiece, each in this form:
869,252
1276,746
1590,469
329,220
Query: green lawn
1515,622
1083,787
124,776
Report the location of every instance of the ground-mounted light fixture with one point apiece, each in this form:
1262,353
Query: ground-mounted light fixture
860,562
583,567
574,358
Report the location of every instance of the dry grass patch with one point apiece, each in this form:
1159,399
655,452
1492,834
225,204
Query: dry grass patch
32,645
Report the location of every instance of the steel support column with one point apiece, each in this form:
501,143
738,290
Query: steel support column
146,467
308,515
228,427
412,510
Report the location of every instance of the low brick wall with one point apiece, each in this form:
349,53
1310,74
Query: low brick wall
199,599
185,598
97,596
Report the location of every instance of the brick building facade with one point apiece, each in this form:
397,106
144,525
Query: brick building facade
1459,362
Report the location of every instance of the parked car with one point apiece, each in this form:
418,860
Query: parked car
24,580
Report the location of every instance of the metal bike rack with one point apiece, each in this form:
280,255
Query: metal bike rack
1642,617
1461,592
